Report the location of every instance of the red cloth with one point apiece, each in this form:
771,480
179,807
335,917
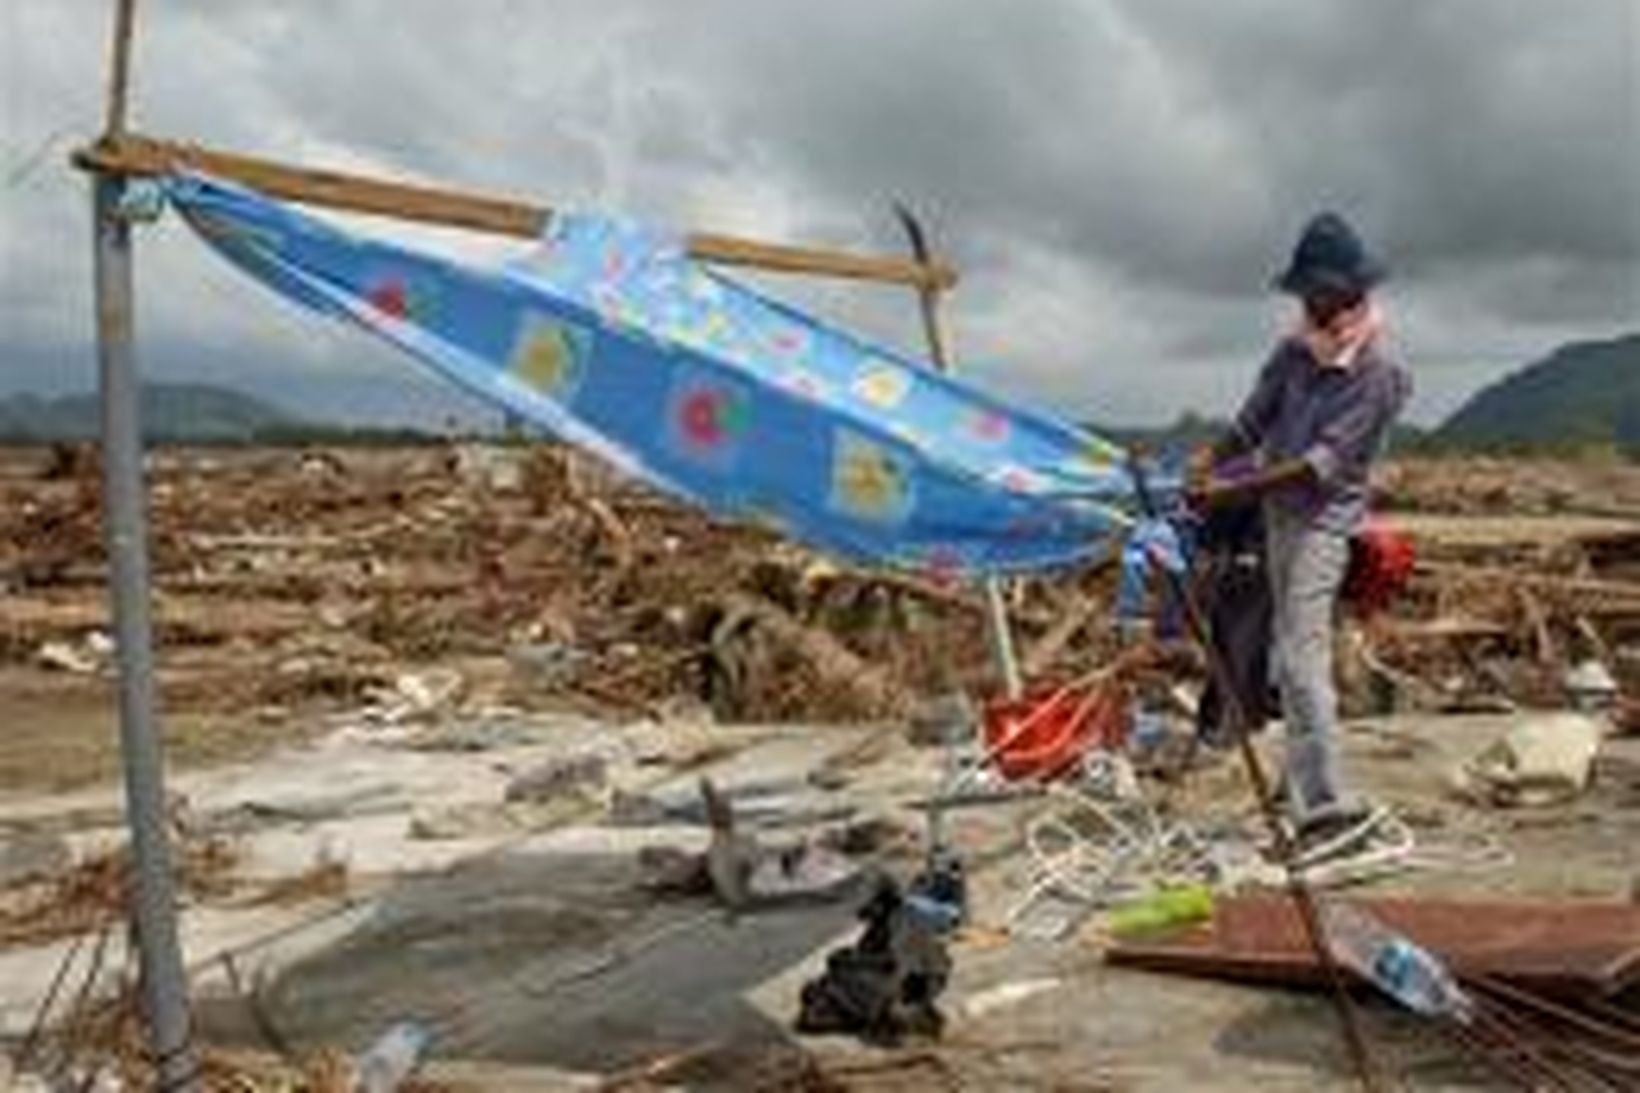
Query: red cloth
1381,564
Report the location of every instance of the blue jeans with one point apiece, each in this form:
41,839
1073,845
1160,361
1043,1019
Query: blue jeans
1307,567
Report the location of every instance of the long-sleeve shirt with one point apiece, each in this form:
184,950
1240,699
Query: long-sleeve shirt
1334,418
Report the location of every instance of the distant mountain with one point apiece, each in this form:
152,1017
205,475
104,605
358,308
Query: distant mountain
179,412
1582,393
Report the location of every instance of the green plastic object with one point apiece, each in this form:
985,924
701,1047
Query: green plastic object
1162,909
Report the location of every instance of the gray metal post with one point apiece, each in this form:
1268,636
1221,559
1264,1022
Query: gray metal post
153,890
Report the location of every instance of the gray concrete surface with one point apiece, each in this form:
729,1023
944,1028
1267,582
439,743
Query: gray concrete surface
535,956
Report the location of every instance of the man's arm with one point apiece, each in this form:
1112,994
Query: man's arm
1349,437
1227,493
1357,433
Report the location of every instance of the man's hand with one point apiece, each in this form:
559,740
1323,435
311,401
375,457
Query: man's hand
1198,472
1209,494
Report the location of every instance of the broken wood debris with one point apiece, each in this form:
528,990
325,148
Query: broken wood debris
347,568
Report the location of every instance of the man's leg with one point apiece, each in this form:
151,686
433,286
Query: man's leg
1306,569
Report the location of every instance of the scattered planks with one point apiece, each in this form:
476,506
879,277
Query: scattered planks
1610,595
745,617
1047,649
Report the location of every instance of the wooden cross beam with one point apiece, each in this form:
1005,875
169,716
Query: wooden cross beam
128,154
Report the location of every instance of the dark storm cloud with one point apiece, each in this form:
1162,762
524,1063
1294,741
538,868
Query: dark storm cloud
1118,178
1183,142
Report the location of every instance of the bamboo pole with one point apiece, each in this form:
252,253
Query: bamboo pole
119,69
998,631
133,154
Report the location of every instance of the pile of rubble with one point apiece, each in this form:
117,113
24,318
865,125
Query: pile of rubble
286,580
397,586
1498,486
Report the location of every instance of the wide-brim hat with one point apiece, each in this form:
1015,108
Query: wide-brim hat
1329,257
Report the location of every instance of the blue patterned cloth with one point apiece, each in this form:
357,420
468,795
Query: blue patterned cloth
611,338
1154,545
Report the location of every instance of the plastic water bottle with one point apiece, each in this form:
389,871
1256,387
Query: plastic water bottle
1406,972
1150,731
391,1059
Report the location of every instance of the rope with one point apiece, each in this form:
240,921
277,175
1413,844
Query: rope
1139,852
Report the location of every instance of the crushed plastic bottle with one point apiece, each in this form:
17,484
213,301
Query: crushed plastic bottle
391,1059
1401,969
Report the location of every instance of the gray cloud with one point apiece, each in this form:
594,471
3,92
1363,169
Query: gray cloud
1118,178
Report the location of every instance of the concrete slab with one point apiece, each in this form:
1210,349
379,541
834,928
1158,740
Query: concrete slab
538,953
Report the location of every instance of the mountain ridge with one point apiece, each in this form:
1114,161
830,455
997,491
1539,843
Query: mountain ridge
1582,393
186,412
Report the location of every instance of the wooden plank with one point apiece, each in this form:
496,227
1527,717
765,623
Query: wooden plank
1440,629
1569,948
138,155
1514,578
727,250
132,154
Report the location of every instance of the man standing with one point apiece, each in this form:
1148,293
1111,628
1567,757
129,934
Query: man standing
1315,421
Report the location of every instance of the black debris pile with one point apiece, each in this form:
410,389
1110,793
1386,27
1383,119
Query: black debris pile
886,985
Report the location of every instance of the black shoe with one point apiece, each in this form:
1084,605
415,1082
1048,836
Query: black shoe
1333,837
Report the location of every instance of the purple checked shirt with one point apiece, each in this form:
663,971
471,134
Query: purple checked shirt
1335,419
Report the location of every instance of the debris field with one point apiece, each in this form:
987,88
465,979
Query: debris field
292,581
493,658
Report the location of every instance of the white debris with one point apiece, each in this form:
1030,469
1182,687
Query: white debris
64,657
1543,758
1006,995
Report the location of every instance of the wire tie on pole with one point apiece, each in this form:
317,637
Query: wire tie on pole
142,202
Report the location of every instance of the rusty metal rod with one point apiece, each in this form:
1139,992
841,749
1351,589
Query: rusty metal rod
1499,1060
1515,997
1309,912
1524,1043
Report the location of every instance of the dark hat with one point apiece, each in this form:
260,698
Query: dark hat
1329,257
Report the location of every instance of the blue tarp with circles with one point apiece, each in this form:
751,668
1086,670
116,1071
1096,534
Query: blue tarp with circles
608,336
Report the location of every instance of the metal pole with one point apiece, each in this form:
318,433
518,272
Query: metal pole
125,523
153,894
999,633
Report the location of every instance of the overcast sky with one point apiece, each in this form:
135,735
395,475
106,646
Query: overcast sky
1117,179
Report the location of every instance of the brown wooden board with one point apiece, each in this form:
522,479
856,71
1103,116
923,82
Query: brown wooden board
133,154
1570,949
